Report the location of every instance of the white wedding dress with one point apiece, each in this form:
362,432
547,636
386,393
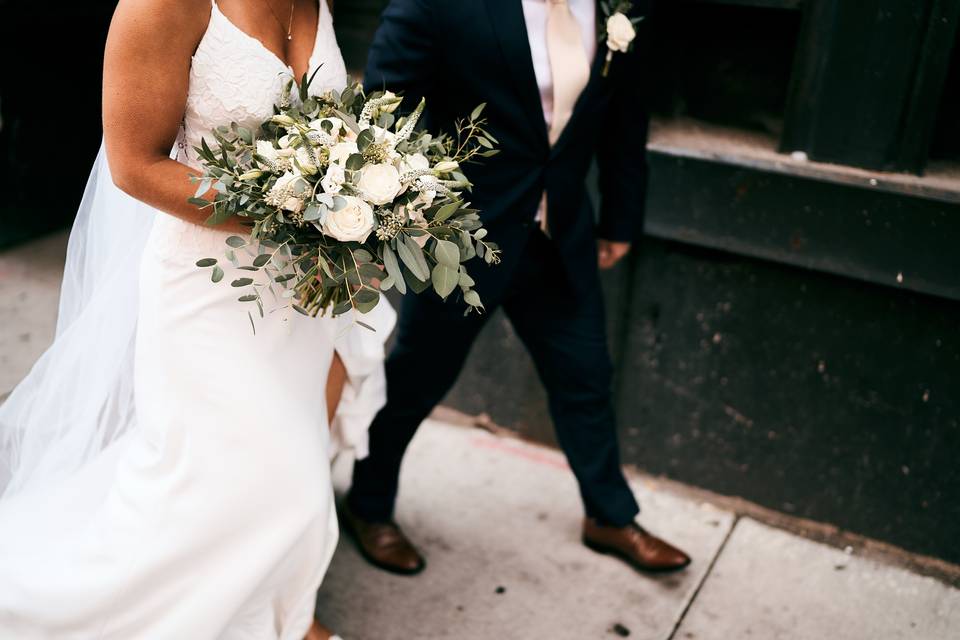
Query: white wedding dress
164,471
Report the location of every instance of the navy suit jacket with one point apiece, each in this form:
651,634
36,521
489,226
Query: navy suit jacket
460,53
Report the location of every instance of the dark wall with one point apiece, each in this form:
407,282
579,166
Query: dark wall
812,394
50,110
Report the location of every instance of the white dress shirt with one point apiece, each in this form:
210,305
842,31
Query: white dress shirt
535,14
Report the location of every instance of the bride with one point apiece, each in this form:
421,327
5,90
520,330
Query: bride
164,470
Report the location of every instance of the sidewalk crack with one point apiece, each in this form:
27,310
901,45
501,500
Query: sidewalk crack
706,576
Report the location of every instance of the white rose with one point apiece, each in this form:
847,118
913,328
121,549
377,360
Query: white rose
414,162
379,183
341,151
332,182
353,223
620,32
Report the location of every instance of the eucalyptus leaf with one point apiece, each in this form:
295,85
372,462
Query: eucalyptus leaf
445,280
313,212
416,285
355,162
342,308
206,262
448,253
365,139
447,210
366,295
410,260
362,255
261,259
202,188
242,282
418,254
370,271
479,110
393,268
217,274
472,298
465,279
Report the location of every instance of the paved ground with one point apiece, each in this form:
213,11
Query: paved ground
29,291
498,521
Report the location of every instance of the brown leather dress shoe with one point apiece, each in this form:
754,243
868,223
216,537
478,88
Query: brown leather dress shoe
635,545
383,544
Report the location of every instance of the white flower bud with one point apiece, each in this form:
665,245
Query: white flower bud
620,33
446,166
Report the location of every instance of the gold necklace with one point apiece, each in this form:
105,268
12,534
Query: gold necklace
279,21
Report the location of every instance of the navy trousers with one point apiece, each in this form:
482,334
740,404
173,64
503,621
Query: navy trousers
566,337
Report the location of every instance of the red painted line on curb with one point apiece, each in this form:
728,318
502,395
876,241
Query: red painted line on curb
557,461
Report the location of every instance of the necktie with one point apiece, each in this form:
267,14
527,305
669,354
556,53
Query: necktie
569,69
569,66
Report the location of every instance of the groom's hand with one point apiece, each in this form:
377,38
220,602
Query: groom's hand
609,252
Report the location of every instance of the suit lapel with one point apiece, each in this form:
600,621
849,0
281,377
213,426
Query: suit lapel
506,18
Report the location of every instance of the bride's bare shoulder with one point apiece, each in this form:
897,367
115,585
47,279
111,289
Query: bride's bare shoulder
176,22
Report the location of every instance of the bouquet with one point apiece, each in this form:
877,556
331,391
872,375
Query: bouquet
345,200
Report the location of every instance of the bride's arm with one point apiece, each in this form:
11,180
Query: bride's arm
145,78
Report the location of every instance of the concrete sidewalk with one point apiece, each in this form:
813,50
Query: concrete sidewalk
498,520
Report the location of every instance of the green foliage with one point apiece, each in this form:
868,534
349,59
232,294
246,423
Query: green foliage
272,180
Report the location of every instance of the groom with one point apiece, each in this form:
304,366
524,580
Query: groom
540,67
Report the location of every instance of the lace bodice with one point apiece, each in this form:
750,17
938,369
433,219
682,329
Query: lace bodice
235,78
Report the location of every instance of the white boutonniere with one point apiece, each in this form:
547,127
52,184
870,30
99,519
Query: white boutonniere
619,30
